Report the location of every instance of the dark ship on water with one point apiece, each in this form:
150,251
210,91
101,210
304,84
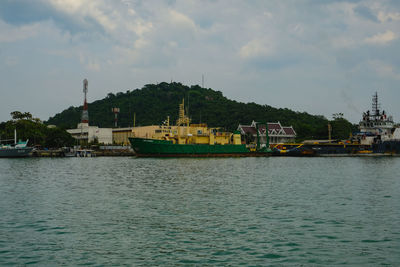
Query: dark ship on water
378,130
378,135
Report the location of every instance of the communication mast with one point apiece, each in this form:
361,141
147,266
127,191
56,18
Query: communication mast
375,105
85,113
115,111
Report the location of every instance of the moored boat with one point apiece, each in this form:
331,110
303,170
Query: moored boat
16,150
195,140
378,131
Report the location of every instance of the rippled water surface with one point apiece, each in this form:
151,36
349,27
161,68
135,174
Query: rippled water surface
234,211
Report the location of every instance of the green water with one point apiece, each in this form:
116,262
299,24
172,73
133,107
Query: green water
182,212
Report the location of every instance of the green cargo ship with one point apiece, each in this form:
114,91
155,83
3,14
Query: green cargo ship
166,148
195,140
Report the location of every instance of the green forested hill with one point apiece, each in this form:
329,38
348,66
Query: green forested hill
153,103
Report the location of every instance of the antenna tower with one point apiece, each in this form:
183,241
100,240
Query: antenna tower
115,111
85,113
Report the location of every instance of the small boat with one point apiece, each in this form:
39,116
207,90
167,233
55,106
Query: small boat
289,149
78,152
85,153
16,150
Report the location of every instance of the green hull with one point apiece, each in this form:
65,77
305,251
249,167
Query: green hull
164,148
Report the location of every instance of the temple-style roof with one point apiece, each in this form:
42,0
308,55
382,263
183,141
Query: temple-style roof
289,130
247,129
274,128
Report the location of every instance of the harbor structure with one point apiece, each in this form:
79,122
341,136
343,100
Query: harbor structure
85,111
115,111
90,134
120,135
276,132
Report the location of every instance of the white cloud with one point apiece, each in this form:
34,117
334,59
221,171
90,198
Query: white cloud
10,34
384,69
140,43
140,27
87,8
93,66
69,6
384,17
343,42
181,20
257,48
381,38
11,61
262,42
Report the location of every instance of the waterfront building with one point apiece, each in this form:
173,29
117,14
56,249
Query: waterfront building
120,135
90,134
276,132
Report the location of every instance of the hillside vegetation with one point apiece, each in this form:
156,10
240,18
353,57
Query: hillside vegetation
154,102
32,129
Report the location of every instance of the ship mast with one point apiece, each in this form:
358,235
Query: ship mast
375,106
183,119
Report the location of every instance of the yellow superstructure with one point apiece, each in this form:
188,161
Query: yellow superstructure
185,133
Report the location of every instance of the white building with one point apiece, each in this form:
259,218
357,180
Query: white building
89,134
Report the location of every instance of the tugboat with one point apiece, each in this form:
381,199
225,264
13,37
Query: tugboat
378,136
379,131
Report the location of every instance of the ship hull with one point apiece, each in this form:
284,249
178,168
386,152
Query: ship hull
164,148
387,147
15,152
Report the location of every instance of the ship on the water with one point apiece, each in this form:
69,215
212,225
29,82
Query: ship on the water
197,140
378,130
16,150
378,135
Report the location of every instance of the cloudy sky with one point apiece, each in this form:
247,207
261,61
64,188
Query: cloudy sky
317,56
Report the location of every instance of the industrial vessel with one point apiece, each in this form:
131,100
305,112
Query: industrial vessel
378,131
196,140
378,135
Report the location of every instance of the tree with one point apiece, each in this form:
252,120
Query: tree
57,137
17,115
33,129
341,128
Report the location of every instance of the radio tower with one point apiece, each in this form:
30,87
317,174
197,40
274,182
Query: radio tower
85,113
115,111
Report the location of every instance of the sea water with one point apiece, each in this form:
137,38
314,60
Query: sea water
216,211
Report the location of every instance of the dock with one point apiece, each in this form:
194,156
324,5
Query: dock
59,153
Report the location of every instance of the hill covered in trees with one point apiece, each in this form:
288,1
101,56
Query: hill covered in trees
154,102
